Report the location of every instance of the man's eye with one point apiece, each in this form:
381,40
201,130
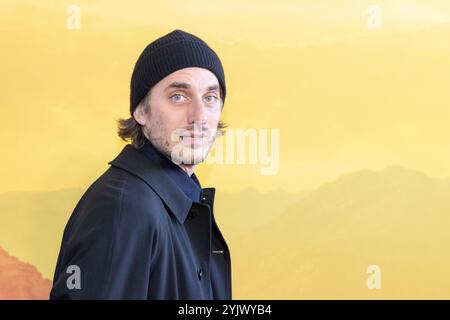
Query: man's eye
211,98
177,98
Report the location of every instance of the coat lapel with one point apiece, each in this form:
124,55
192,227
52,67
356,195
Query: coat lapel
148,169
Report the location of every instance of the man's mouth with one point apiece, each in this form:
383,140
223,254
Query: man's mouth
196,135
194,139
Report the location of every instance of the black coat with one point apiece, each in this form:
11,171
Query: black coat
135,235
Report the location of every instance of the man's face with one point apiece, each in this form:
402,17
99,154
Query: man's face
183,114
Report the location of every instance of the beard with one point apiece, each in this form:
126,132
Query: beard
191,152
180,148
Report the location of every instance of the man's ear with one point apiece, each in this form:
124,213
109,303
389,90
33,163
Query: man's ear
139,115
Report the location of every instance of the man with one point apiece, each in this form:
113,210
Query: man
145,229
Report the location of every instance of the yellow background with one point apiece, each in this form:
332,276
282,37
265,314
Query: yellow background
364,137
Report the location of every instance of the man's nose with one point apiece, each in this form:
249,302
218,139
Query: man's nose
197,112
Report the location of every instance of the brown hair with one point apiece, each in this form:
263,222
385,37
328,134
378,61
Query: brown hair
130,130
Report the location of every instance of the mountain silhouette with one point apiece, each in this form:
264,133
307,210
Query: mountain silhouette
32,223
316,244
321,247
20,280
249,209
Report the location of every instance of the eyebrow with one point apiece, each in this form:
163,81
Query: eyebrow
184,85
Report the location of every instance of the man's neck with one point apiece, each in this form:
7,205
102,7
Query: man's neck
188,168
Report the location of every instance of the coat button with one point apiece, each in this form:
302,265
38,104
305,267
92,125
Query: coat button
199,273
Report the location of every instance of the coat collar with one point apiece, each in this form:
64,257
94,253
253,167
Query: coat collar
148,168
190,185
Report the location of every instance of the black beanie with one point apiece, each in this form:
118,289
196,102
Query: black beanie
176,50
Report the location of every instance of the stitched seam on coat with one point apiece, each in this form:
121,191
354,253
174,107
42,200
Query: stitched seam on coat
113,242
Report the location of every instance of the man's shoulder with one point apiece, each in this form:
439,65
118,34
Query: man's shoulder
121,182
120,193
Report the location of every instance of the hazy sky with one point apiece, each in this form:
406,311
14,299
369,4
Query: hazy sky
343,97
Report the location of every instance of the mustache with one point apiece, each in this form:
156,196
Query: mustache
203,129
193,131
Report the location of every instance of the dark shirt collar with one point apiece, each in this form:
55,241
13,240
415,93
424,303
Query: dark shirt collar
189,185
